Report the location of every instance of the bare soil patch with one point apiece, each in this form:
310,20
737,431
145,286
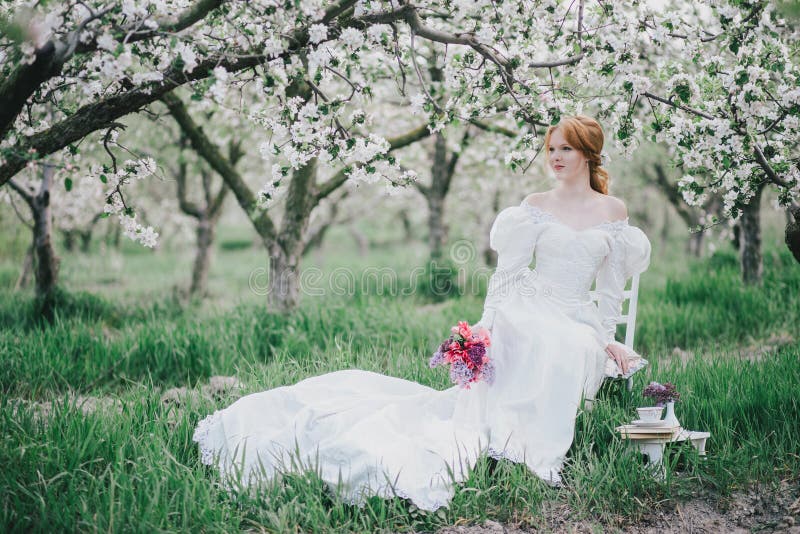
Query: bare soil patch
758,509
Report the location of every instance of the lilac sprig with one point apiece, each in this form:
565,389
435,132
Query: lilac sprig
439,357
460,373
661,393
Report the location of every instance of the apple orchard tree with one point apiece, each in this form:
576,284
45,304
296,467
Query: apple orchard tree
718,85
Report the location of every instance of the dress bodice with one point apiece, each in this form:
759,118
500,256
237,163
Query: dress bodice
568,261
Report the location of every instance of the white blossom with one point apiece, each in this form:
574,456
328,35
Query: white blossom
106,42
273,47
188,55
352,38
317,33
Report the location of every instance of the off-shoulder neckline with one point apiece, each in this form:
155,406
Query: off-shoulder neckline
549,216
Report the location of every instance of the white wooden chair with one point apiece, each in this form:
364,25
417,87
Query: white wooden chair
628,319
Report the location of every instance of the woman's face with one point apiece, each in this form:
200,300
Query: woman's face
566,161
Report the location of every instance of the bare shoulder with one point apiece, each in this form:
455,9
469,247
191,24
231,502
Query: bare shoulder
537,199
615,208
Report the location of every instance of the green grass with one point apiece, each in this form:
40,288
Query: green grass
710,308
138,470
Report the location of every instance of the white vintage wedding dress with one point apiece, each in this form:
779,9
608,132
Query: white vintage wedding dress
369,434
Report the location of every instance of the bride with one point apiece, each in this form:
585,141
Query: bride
369,434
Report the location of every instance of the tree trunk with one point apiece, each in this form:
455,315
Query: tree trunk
792,231
46,268
316,239
361,241
286,250
437,231
202,259
489,255
665,225
316,235
116,236
696,244
86,239
86,234
69,240
284,280
736,239
435,195
408,229
437,236
750,238
27,267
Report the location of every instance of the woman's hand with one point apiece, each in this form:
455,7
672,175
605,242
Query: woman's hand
619,354
477,327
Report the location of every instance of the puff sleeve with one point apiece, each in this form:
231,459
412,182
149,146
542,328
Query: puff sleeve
629,255
513,236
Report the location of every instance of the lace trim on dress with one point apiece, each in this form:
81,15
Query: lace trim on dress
541,215
387,491
202,437
359,495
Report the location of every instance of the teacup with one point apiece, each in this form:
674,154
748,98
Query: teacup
650,413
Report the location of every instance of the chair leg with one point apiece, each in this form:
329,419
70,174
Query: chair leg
629,383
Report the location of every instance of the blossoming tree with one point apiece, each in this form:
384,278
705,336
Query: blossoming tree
718,84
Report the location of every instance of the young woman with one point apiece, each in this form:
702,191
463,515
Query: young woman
370,434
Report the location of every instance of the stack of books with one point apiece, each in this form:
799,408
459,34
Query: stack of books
648,432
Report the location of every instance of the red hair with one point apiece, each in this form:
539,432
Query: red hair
585,134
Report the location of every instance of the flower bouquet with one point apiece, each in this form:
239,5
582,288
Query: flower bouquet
465,352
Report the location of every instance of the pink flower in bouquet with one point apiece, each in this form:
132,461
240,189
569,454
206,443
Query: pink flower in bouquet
483,336
464,330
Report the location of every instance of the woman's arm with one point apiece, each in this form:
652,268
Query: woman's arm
513,237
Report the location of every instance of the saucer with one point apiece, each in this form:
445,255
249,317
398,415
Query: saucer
645,424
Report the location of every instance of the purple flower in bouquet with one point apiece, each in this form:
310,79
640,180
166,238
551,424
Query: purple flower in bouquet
437,359
661,393
476,353
461,374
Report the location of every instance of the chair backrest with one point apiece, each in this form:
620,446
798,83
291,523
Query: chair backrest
628,319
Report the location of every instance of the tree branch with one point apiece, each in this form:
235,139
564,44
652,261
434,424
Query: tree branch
493,128
216,204
98,115
767,168
23,81
212,155
52,56
673,195
451,165
422,188
26,196
333,183
235,153
189,208
669,102
757,152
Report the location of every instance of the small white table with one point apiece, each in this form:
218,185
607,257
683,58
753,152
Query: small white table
653,447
